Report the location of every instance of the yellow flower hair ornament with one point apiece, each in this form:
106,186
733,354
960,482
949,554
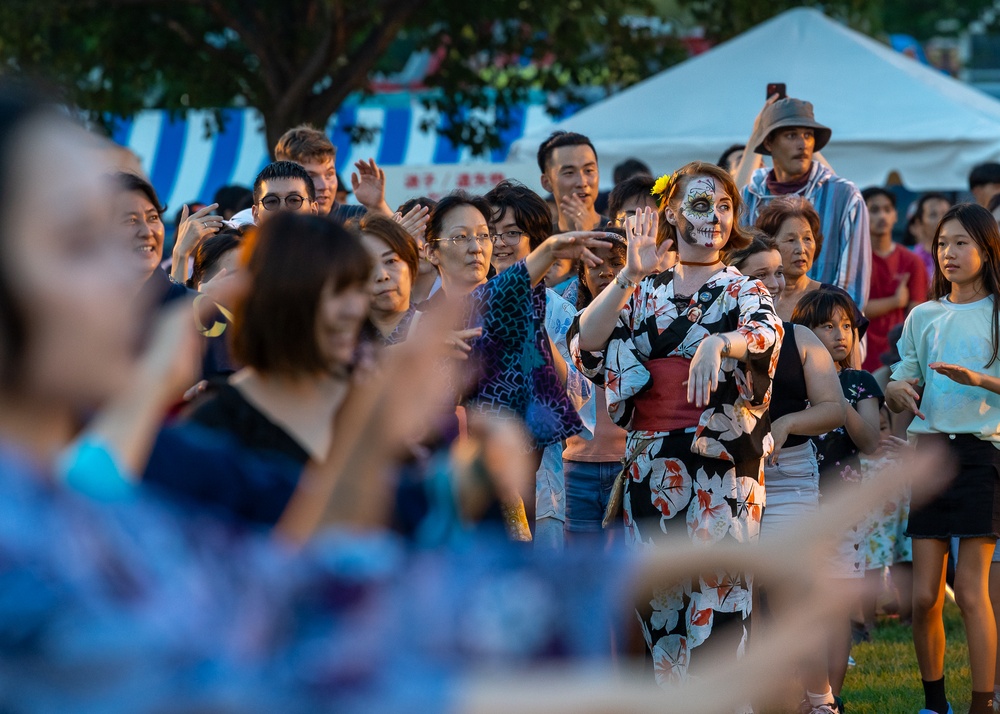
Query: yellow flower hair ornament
661,189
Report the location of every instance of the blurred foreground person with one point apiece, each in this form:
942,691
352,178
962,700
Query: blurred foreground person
296,335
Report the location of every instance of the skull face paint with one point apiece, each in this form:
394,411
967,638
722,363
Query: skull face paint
706,214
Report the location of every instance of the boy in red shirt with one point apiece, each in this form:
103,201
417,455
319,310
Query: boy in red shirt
899,279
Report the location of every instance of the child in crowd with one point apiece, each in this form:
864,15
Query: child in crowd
885,544
957,405
830,315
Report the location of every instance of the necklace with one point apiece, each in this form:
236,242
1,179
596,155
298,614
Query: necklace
702,265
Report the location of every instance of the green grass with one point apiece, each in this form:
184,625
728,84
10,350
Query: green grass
886,679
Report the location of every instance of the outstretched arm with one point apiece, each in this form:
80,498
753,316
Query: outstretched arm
966,376
369,187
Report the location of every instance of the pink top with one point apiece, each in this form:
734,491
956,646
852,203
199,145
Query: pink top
608,443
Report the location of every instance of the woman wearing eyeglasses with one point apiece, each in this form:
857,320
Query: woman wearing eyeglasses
508,347
522,222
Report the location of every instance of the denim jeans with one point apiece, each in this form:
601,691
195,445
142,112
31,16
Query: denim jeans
588,488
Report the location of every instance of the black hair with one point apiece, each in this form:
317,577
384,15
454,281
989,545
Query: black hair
210,251
632,187
283,170
760,242
918,213
428,203
557,139
817,307
530,212
629,168
723,161
617,238
994,202
455,199
983,230
873,191
232,199
295,255
983,174
126,182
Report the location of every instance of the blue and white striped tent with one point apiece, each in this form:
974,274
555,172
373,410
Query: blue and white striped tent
185,164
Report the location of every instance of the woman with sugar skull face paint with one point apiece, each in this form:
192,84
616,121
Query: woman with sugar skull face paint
694,454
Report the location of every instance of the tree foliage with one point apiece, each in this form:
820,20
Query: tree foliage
723,19
300,60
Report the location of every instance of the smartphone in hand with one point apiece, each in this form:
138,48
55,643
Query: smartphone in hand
776,88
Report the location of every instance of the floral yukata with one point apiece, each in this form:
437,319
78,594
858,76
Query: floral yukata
705,482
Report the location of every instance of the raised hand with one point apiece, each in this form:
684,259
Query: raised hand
369,186
644,256
574,211
191,231
415,221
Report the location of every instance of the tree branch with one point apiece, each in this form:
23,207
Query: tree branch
306,76
254,41
394,14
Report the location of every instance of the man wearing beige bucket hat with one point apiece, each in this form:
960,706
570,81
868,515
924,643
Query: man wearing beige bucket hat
787,131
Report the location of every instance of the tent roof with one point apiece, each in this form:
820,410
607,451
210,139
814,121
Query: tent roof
887,111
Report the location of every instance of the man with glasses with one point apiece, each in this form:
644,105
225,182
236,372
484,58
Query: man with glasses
282,186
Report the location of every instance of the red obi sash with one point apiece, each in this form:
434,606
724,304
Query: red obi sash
664,406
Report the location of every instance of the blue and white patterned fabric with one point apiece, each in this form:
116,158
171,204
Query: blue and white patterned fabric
187,163
550,484
134,607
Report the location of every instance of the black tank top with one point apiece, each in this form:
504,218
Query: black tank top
788,389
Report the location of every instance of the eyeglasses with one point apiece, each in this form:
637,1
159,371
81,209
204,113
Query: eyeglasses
508,237
463,241
272,203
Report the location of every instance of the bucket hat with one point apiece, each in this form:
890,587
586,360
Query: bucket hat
791,112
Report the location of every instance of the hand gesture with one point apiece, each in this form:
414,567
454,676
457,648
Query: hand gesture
903,291
902,395
576,245
755,135
703,374
574,211
893,445
458,342
191,231
779,433
369,184
644,256
959,374
226,288
415,221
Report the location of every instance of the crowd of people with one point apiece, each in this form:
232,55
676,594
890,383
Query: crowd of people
332,457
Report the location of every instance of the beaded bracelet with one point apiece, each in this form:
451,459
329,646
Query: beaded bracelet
624,283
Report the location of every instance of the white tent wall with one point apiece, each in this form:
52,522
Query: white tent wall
887,112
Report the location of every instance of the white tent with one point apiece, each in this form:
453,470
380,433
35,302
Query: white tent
888,112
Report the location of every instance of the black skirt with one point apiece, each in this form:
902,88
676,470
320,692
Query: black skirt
969,507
